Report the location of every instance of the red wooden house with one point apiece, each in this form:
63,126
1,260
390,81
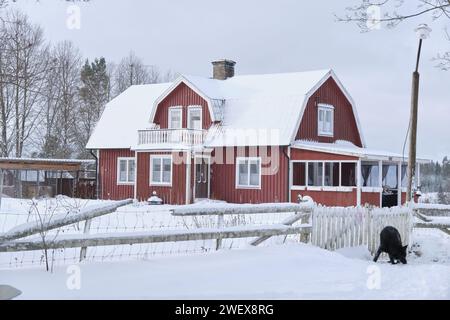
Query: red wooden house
243,139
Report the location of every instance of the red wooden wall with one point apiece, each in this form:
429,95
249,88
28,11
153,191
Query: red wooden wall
371,198
345,127
300,154
274,187
328,198
109,189
183,96
174,194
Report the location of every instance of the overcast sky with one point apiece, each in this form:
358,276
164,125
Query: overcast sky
274,36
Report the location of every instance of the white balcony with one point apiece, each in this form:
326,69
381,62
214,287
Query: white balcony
188,137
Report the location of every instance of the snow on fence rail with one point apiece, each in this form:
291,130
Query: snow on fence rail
139,231
334,228
433,216
152,230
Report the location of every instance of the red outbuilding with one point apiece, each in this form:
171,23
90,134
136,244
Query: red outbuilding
243,139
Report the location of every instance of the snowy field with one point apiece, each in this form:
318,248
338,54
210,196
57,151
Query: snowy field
291,271
276,270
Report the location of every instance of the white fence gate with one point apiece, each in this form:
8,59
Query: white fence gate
334,227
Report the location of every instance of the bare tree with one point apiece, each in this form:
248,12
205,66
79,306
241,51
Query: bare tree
394,12
24,73
131,71
61,101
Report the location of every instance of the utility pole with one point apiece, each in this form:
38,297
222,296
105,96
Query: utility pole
423,32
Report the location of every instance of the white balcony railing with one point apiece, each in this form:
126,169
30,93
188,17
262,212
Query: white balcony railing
167,136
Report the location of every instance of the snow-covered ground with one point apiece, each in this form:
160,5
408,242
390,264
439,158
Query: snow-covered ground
196,271
290,271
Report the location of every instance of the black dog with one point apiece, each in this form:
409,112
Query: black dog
391,243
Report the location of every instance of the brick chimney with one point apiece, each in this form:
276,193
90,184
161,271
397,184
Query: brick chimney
223,69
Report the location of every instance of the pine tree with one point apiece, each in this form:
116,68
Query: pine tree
94,93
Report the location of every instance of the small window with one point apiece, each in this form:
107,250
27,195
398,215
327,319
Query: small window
331,174
195,118
126,170
299,174
161,170
315,174
248,172
348,174
175,117
325,121
405,175
370,174
390,176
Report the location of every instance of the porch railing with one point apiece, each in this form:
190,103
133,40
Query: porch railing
164,136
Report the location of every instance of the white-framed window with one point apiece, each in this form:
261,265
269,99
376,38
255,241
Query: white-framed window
248,172
328,174
325,120
161,170
126,170
175,118
194,117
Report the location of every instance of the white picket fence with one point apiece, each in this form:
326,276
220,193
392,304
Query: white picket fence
334,228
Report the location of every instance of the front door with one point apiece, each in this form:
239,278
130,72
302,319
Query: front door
201,178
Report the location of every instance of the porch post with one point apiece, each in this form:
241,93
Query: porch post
380,180
1,187
135,175
358,183
188,177
399,183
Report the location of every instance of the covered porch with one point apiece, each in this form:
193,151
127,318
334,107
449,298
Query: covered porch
341,174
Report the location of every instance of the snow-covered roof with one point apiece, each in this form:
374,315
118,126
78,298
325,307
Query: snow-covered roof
263,109
252,110
124,115
348,148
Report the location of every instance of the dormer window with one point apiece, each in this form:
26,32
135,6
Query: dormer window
195,117
325,120
175,117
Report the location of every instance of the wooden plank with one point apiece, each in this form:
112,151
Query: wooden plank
242,209
61,220
151,237
287,222
40,166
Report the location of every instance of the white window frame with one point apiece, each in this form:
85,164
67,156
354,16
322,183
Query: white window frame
339,188
127,159
325,108
171,109
191,108
240,159
161,157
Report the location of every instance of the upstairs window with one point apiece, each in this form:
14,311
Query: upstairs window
325,117
175,117
125,170
195,117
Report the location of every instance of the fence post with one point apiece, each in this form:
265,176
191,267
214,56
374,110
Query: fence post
87,228
219,226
